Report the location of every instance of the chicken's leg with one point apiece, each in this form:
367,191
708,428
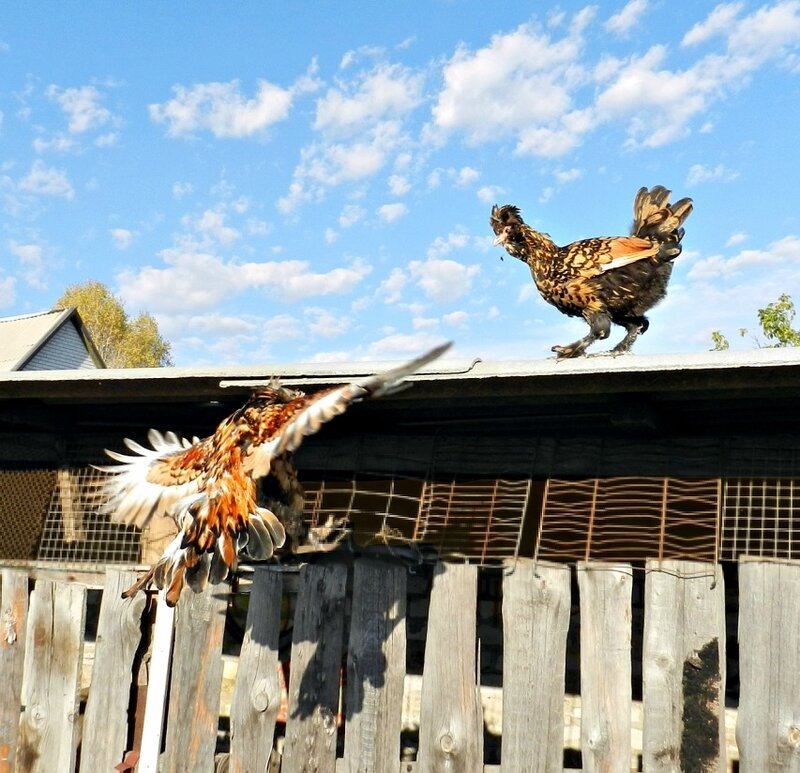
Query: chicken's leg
635,327
599,327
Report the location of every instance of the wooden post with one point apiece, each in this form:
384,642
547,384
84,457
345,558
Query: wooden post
47,733
158,678
194,692
605,597
105,726
13,620
536,608
315,670
683,664
451,719
768,725
257,693
376,666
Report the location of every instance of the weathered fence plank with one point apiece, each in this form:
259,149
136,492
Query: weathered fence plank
311,729
605,598
105,725
536,607
194,693
53,654
157,683
768,726
683,666
451,723
257,693
12,658
376,665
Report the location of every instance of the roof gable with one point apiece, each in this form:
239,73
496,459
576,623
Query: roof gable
48,340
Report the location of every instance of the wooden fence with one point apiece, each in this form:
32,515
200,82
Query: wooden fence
350,719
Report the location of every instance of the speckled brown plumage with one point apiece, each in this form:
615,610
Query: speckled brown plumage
605,279
209,486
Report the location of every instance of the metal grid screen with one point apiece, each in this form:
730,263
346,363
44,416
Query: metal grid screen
629,519
761,517
478,520
74,531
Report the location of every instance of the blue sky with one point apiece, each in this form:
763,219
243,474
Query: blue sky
311,181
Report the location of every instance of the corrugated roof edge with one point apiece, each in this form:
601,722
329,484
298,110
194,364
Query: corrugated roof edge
468,368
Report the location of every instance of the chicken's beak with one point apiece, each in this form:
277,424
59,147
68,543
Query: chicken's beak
500,239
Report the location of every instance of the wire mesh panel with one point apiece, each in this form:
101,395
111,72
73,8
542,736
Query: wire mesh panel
761,517
24,497
629,519
479,520
75,532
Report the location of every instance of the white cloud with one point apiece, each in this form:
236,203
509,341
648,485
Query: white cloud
627,18
538,71
660,103
386,91
324,323
736,239
222,109
195,280
328,164
401,345
122,238
399,185
718,22
60,143
783,252
82,106
330,236
456,319
443,245
181,189
489,194
567,175
443,281
391,212
47,181
212,225
350,215
467,175
698,173
31,256
7,291
391,288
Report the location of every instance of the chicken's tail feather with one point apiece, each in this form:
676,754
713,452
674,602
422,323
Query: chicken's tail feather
197,556
655,218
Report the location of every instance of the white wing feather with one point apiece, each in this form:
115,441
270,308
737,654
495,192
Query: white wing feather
131,498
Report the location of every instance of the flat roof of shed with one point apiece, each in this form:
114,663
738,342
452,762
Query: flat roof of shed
756,370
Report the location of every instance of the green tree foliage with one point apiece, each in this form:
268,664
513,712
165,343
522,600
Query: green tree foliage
122,342
775,320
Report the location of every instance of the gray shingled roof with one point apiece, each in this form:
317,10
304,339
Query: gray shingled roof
21,337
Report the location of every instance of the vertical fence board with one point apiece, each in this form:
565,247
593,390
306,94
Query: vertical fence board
451,720
105,725
157,682
53,654
605,598
257,694
376,665
311,729
194,693
14,613
536,607
683,667
768,725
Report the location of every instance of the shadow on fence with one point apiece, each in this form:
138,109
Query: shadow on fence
351,697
